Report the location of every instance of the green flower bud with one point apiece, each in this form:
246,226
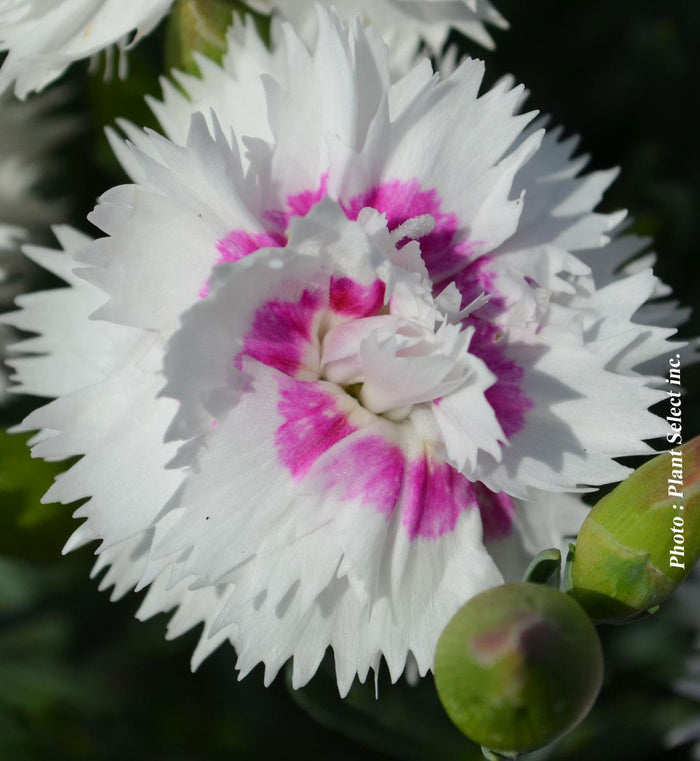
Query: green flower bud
198,26
641,540
518,666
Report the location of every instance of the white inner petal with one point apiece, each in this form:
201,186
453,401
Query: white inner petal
400,362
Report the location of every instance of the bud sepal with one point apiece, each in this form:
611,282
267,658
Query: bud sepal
640,541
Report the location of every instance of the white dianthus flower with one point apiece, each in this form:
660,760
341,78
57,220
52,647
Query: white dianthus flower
43,37
341,354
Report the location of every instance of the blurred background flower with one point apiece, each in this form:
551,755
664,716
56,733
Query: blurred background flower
43,38
29,132
406,25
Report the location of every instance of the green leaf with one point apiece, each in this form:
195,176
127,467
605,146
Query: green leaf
545,568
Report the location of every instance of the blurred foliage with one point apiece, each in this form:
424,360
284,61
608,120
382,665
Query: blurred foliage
404,720
80,678
30,530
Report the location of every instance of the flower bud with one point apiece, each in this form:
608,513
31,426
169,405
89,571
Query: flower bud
641,540
198,26
518,666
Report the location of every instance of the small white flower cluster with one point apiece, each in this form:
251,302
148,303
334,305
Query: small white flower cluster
27,132
42,37
353,341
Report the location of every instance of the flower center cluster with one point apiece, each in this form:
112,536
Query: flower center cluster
412,214
390,362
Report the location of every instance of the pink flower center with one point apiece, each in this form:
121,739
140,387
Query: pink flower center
316,435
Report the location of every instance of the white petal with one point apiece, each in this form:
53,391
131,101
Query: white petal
546,521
